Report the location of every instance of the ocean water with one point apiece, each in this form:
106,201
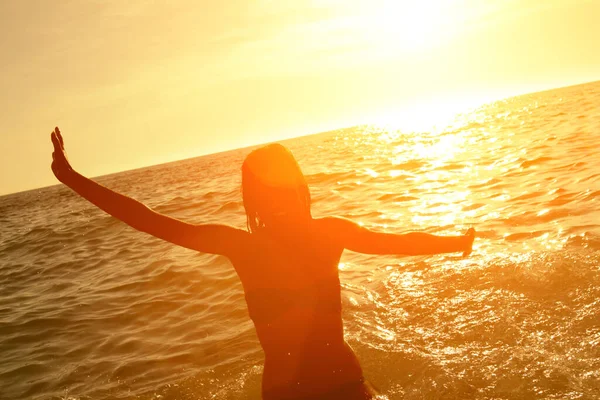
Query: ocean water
92,309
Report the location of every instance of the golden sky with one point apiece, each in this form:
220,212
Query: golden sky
140,82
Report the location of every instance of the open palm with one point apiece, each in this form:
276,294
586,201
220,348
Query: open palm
60,163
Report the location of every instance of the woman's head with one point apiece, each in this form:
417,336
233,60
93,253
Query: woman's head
274,189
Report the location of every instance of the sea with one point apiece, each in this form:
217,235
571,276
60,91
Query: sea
92,309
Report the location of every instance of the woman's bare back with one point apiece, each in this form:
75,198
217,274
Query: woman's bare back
293,294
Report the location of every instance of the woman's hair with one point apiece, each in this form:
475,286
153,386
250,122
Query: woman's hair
271,175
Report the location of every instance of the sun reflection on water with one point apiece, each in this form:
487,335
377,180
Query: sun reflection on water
445,172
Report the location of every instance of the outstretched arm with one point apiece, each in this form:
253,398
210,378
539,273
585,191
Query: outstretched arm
363,240
216,239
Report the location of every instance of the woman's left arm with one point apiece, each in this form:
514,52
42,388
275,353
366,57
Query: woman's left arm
360,239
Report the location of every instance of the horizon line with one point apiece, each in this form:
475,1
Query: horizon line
483,103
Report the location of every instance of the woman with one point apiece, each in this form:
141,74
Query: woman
288,264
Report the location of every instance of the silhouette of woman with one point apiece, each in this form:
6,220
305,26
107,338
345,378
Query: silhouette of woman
288,264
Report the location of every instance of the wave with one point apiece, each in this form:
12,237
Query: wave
586,240
537,161
410,165
329,177
229,206
396,197
530,218
524,235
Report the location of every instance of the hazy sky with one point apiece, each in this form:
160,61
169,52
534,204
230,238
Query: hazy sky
139,82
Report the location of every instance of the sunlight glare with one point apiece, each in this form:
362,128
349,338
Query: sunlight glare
392,26
405,25
431,116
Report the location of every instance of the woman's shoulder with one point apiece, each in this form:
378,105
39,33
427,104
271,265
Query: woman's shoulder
339,230
333,228
333,223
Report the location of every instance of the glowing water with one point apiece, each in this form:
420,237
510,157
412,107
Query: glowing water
91,309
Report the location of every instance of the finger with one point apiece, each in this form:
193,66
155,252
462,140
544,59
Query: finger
55,141
60,138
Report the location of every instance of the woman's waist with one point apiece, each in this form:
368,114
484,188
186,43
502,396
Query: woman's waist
314,366
308,349
268,305
310,387
301,328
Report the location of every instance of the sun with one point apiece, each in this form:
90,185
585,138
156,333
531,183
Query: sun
389,26
405,25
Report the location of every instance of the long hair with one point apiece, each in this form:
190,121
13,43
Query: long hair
270,174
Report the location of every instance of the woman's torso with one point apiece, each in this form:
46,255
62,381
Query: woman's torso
292,289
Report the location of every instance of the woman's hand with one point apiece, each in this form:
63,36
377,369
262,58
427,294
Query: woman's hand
469,238
60,163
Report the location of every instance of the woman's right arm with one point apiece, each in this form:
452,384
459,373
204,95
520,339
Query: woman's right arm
209,238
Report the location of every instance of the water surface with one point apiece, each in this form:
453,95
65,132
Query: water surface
92,309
